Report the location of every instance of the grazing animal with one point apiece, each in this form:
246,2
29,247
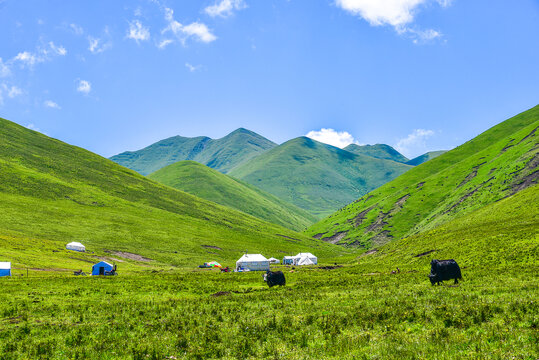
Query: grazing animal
441,270
273,278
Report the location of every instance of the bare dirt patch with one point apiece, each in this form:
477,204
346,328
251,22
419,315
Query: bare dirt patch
358,220
130,256
287,237
425,253
336,238
420,185
382,238
532,133
330,267
531,179
319,235
220,293
471,175
211,247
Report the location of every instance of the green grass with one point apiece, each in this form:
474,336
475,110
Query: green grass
425,157
482,171
379,151
53,193
316,177
209,184
222,154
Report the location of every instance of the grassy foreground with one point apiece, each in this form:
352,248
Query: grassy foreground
348,312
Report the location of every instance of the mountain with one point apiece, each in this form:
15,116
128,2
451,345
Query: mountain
53,193
496,164
379,151
222,154
200,180
316,177
425,157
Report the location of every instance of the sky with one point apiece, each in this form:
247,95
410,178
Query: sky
419,75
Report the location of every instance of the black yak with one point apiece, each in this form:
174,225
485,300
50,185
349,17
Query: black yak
273,278
441,270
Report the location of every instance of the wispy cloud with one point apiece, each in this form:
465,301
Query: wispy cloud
76,29
414,144
138,32
27,58
224,8
58,50
164,43
98,45
333,137
192,68
396,13
51,104
42,54
5,71
9,91
84,87
195,30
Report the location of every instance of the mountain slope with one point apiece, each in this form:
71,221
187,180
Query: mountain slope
425,157
499,162
379,151
221,154
200,180
53,193
316,177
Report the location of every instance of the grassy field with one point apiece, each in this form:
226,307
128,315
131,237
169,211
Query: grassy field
317,177
499,162
202,181
349,312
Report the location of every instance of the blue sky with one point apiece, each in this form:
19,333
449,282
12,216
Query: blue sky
419,75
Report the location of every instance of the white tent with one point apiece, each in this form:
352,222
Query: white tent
299,259
288,260
253,262
273,260
75,246
5,269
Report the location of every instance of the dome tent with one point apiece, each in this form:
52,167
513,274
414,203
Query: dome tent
299,259
273,260
5,269
253,262
76,246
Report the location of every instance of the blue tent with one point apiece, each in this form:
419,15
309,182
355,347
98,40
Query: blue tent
101,267
5,269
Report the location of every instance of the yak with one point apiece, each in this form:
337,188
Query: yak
441,270
273,278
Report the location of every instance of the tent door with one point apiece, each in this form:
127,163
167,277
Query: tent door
101,270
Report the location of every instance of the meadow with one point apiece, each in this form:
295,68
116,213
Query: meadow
353,311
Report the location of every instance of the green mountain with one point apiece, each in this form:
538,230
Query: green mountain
53,193
379,151
200,180
221,154
496,164
316,177
425,157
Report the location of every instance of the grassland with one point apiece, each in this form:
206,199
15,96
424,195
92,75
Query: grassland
425,157
501,161
379,151
202,181
222,154
53,193
316,177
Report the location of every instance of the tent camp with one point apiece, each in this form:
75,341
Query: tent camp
288,260
273,260
5,269
101,268
76,246
305,259
253,262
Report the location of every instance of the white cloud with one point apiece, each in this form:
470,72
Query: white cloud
84,87
192,68
415,143
59,50
76,29
339,139
11,92
51,104
138,32
97,45
164,43
27,58
224,8
196,30
14,91
396,13
5,71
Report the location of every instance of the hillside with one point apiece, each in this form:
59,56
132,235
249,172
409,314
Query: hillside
221,154
54,193
498,163
316,177
425,157
379,151
209,184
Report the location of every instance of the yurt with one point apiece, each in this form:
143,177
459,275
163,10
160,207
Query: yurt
288,260
274,261
76,246
299,259
253,262
101,268
5,269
